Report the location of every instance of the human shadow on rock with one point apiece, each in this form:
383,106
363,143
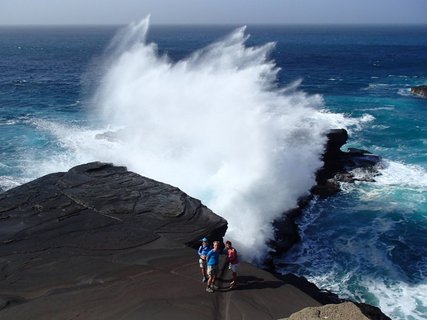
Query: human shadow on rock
252,282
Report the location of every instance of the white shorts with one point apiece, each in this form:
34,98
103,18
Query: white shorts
202,263
233,267
212,270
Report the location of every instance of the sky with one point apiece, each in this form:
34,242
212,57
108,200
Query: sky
112,12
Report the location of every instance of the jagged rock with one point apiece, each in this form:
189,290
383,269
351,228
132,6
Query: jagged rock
332,157
335,170
337,164
420,91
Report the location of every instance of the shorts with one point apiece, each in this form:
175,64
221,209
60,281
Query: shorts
212,270
202,263
233,267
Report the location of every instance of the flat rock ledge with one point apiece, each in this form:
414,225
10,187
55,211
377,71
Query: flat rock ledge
346,310
100,242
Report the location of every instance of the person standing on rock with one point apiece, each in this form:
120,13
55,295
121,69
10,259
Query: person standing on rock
203,252
212,262
233,262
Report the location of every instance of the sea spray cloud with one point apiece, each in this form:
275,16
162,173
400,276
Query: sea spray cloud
215,125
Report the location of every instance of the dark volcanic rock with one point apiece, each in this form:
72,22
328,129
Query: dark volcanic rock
420,91
125,209
336,169
338,164
332,157
99,242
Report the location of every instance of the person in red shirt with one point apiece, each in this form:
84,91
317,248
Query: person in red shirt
233,262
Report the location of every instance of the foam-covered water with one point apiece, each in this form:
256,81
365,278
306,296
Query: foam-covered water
237,121
214,124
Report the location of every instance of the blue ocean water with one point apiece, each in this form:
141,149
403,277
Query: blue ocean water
368,243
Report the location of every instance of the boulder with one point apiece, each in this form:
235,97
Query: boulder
420,91
346,310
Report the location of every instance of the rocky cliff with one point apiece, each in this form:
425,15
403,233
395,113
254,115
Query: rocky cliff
100,242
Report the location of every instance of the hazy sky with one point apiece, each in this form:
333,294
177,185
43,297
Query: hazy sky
31,12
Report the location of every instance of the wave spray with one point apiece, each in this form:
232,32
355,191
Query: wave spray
216,125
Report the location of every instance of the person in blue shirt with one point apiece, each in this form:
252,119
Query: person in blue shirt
203,252
212,262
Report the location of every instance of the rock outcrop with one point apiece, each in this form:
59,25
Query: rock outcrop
420,91
101,207
99,242
346,310
338,164
336,169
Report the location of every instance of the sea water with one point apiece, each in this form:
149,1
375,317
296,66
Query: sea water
238,121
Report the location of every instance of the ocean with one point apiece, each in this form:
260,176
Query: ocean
236,116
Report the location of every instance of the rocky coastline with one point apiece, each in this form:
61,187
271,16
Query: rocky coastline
337,168
100,242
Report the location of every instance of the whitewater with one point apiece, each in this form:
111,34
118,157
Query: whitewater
240,123
214,124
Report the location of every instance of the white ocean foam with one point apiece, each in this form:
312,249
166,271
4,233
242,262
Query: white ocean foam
406,92
399,299
9,182
80,145
384,108
380,127
374,86
367,276
214,124
339,120
8,122
402,175
75,103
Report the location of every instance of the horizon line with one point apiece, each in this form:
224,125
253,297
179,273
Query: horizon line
221,24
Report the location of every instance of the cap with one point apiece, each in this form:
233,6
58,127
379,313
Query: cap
204,239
